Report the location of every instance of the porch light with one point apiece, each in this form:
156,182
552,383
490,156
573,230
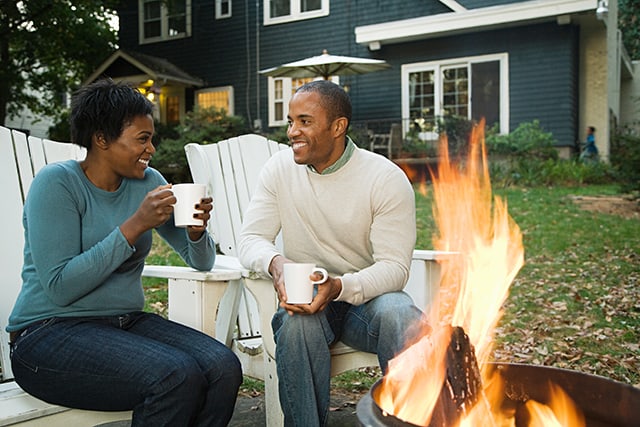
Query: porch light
603,10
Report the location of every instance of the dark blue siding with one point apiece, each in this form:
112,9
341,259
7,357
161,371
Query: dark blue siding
542,75
542,58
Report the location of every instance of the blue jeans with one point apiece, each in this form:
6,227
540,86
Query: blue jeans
303,360
167,373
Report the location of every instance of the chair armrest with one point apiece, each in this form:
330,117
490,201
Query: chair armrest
174,272
430,255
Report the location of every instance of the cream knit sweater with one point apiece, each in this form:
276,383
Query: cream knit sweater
357,222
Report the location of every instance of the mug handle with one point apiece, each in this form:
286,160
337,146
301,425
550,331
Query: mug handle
324,273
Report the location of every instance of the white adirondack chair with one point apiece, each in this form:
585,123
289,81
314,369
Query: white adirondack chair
20,159
230,169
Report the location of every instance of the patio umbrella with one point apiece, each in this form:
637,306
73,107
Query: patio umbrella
326,65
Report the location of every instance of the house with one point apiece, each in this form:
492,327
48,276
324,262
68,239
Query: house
558,61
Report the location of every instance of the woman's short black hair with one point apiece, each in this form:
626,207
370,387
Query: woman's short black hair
333,98
105,107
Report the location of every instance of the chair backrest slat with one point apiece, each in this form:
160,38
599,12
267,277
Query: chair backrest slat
230,169
21,158
12,234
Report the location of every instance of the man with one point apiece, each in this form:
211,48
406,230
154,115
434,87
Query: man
347,210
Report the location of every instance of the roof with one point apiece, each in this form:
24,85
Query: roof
126,63
469,20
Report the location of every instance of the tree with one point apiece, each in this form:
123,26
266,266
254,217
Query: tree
47,47
628,13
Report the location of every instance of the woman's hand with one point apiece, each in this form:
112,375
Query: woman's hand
206,206
156,208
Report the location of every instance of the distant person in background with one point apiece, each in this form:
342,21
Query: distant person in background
590,151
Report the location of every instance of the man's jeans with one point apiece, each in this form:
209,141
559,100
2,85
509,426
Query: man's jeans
302,348
167,373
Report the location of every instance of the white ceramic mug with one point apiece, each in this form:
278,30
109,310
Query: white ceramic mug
188,196
298,284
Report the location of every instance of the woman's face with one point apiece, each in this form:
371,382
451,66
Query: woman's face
130,153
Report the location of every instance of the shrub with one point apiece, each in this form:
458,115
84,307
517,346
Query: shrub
528,157
458,130
279,135
201,126
528,140
625,157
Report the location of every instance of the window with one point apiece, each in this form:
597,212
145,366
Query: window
173,110
279,11
223,9
218,97
474,88
164,20
280,90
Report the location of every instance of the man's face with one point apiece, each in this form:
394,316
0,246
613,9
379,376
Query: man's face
314,138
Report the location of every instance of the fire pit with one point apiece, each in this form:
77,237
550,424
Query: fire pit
604,402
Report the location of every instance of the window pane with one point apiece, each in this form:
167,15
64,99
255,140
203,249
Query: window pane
151,18
173,109
455,91
278,89
176,7
177,25
152,29
309,5
225,7
485,92
216,99
279,111
422,100
151,10
177,17
280,8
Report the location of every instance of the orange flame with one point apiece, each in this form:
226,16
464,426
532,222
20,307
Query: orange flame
474,285
475,281
562,411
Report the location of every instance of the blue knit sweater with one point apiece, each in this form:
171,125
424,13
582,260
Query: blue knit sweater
76,260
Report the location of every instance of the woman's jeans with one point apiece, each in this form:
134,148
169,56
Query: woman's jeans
381,326
167,373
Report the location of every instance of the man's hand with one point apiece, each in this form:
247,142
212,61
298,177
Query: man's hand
327,291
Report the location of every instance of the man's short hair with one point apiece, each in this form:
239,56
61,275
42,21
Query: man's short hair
332,97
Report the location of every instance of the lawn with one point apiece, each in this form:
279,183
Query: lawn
576,302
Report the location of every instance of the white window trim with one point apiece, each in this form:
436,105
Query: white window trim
436,66
164,31
229,89
295,14
286,97
219,14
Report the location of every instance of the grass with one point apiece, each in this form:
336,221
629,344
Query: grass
575,304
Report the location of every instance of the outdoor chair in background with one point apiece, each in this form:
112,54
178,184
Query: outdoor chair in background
388,143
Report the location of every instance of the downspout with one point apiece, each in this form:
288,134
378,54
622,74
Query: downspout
258,122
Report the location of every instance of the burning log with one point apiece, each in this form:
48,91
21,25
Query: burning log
454,377
463,384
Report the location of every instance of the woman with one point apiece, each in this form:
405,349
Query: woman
79,337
